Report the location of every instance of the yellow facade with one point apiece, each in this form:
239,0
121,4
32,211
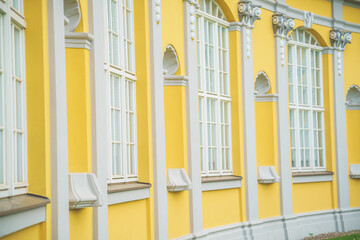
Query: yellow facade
154,212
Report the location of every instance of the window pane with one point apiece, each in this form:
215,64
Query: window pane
17,60
19,157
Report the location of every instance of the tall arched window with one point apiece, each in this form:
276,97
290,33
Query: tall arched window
13,138
121,79
306,102
214,89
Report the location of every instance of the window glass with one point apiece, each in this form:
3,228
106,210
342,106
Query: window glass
306,103
122,89
214,90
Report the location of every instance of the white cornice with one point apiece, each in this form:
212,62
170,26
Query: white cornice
175,80
352,106
266,98
299,14
235,26
78,40
328,50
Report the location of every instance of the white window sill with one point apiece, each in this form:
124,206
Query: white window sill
127,192
19,212
220,183
312,177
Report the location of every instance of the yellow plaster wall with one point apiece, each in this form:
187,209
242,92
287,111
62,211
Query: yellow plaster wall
351,14
84,20
237,125
128,221
79,109
176,157
309,197
267,155
351,76
38,112
80,222
172,27
263,53
353,133
143,108
221,207
35,232
319,7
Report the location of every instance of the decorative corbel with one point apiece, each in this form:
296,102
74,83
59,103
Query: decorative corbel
282,25
248,13
339,39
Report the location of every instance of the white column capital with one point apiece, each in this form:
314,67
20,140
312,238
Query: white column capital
339,38
248,13
282,25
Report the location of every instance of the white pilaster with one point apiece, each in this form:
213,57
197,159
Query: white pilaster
58,115
193,135
338,40
281,26
248,13
158,120
99,121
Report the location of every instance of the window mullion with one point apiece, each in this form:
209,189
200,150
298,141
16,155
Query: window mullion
123,131
311,123
297,112
121,35
8,51
205,105
218,102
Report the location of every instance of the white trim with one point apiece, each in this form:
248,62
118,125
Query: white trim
337,9
78,40
192,119
235,26
58,124
266,98
17,221
283,127
175,80
158,120
352,107
312,178
340,134
274,6
248,107
98,114
128,196
327,50
283,228
221,185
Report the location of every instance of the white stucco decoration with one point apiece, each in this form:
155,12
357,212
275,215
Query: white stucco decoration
72,14
262,83
178,180
84,191
170,60
353,95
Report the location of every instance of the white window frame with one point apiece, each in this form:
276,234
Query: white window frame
125,71
296,107
11,19
216,96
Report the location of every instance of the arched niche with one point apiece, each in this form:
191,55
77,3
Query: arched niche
170,60
353,95
262,83
72,14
